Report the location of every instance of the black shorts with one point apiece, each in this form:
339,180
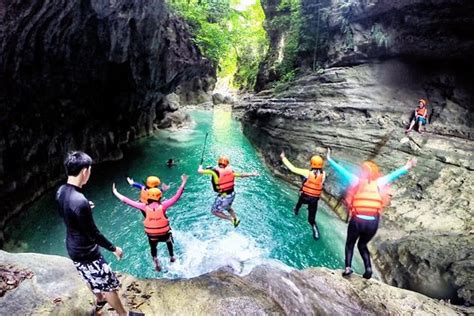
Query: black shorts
162,238
98,275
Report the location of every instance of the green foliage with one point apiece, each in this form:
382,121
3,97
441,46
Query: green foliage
285,81
289,19
379,37
232,37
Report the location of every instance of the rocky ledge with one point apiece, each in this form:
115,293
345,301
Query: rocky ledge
56,288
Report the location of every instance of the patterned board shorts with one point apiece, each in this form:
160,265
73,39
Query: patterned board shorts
223,202
98,275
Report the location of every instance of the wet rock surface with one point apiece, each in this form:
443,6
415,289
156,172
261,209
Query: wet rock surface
266,290
82,75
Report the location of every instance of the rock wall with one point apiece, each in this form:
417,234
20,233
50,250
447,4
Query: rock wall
360,104
350,32
84,75
266,290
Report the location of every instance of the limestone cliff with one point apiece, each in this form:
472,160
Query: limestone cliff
84,75
360,104
56,288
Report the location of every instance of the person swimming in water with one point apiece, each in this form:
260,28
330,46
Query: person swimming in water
170,163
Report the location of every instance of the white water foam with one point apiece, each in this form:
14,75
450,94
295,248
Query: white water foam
234,251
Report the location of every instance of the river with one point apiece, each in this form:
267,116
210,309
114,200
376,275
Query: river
269,231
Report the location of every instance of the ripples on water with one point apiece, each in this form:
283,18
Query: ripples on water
269,231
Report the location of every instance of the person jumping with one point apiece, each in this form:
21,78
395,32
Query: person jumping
156,222
311,188
151,182
222,178
366,200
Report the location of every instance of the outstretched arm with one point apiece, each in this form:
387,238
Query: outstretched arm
245,174
126,200
348,176
176,197
135,184
209,172
289,165
394,175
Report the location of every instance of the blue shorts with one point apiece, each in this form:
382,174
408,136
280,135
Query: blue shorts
223,202
422,120
98,275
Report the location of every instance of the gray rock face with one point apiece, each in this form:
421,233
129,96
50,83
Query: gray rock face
348,33
218,98
266,290
85,75
361,113
438,265
364,30
54,277
196,91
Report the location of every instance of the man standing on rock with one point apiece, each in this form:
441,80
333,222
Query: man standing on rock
311,189
83,237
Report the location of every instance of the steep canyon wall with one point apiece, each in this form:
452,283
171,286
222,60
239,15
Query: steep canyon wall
82,75
378,59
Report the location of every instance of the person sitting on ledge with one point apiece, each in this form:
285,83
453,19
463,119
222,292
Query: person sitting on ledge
420,116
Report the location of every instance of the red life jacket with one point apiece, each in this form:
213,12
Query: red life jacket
421,111
367,199
156,223
313,186
226,179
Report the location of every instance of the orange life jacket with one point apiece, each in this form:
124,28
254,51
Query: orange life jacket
313,185
368,199
226,179
144,196
421,111
156,223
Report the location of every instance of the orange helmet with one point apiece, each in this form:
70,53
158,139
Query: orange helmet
317,162
154,194
223,160
370,170
152,182
423,101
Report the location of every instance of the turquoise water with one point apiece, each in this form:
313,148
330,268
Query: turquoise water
269,231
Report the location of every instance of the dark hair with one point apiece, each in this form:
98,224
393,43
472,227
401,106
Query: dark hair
76,161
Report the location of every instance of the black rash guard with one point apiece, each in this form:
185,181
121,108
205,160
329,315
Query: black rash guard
83,237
